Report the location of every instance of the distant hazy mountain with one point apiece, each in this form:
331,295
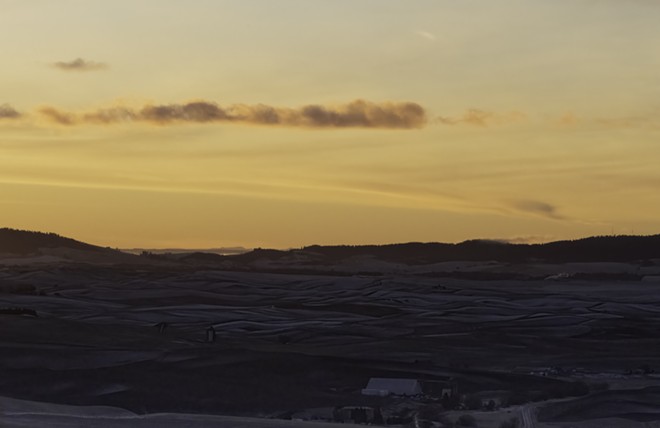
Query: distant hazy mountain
222,250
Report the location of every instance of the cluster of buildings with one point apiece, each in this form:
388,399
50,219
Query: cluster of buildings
409,394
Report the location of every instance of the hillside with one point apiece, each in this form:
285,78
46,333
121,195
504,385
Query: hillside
640,250
593,249
23,242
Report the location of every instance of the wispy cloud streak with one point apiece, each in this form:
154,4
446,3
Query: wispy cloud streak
540,208
482,118
427,35
79,64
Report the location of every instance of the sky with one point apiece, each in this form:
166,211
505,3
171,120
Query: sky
210,123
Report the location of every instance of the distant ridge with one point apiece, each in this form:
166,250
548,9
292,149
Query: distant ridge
593,249
24,242
622,248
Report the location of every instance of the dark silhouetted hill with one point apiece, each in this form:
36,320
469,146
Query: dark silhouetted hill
23,242
594,249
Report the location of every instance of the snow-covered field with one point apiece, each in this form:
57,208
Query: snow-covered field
286,342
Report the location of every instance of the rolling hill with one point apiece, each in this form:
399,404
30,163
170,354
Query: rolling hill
23,242
610,249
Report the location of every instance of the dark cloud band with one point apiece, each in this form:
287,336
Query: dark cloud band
356,114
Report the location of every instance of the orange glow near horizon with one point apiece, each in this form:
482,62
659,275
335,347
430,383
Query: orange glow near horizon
170,124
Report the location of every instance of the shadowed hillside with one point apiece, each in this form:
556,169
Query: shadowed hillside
13,241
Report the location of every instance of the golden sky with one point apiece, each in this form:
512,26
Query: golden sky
208,123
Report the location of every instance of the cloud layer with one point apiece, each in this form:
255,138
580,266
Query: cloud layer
79,64
356,114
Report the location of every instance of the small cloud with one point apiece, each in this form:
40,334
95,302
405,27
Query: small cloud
8,112
79,64
482,118
426,35
543,209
